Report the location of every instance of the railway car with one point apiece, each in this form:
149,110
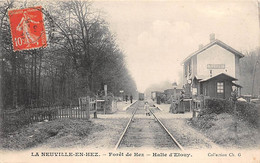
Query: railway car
141,96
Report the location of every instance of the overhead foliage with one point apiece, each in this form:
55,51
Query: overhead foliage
81,57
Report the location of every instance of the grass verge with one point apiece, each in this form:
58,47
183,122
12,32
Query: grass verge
35,134
220,128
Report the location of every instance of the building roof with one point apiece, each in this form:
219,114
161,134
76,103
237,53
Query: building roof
156,91
217,42
237,85
217,76
199,77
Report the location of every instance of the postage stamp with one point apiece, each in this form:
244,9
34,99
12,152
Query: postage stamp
27,28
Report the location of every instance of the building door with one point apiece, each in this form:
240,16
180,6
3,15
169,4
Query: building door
220,90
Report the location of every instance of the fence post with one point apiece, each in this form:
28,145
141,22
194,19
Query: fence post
190,105
95,112
71,110
76,111
81,105
105,105
61,115
87,108
81,110
56,112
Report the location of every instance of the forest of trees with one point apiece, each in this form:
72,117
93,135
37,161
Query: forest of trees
81,57
250,73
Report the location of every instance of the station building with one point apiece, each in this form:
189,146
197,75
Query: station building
155,95
212,70
172,93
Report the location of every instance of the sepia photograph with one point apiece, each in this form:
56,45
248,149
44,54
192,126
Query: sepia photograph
129,81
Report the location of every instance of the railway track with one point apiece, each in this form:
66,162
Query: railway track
146,131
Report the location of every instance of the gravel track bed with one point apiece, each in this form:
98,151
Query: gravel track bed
187,136
144,131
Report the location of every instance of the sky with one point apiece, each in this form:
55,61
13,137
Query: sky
156,36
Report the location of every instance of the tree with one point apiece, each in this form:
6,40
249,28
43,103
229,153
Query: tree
81,55
249,69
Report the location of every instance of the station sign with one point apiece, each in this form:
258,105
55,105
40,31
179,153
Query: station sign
215,66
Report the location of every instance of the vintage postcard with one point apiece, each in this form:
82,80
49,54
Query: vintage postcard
130,81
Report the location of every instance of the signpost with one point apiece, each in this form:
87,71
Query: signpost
122,91
105,89
106,102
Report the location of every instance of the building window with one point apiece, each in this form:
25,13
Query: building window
220,87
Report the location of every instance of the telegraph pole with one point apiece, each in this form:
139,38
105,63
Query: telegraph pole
254,72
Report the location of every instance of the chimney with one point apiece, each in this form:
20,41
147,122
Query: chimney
174,84
200,46
212,37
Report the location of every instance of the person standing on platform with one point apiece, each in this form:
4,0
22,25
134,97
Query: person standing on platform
146,108
126,98
131,99
181,106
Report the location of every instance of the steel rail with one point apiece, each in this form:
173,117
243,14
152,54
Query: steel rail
127,126
174,140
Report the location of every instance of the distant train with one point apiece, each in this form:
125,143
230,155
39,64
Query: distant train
141,96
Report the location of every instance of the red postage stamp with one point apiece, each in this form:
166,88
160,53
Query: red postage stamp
27,28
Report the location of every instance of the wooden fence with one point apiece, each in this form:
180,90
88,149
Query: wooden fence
30,115
38,114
